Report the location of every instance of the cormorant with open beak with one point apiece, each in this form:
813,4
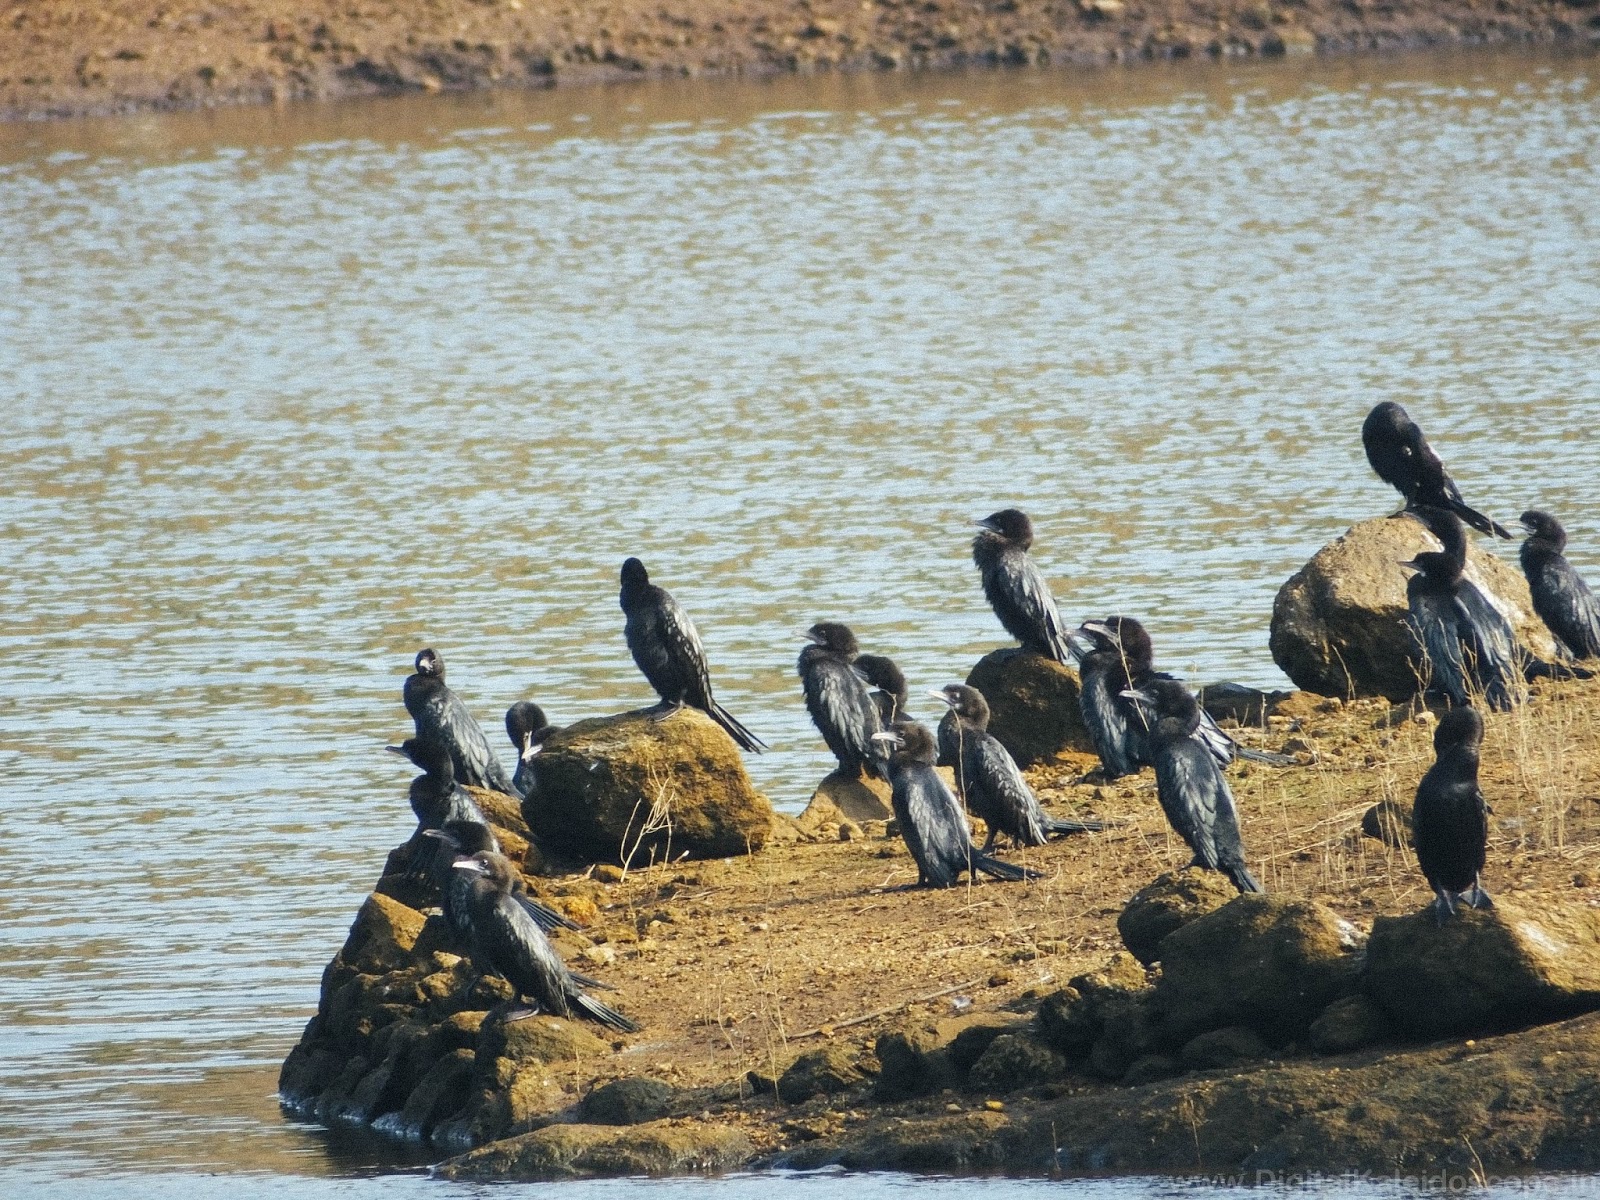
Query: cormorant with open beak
931,821
1189,783
1014,585
991,784
1401,456
666,646
838,700
441,716
1450,820
1560,596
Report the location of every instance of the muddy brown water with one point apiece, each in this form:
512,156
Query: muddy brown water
291,393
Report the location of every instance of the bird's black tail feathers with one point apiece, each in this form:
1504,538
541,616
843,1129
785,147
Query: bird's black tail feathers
1478,521
736,731
1001,870
1054,825
1265,756
1242,879
545,917
605,1014
1537,668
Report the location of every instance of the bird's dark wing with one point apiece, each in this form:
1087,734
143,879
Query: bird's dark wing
1568,607
1489,646
1187,785
1015,585
842,708
1106,716
543,915
1435,624
935,828
442,715
511,940
684,647
991,771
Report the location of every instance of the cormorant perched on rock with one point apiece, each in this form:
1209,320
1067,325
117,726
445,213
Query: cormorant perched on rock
528,730
892,695
1121,656
838,700
991,784
1468,643
930,817
666,646
1401,456
440,716
506,941
464,839
1014,585
1560,596
1450,821
437,800
1190,784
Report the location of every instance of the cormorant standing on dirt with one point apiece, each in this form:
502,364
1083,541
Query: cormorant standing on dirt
930,817
1014,585
991,784
1121,657
437,800
528,730
838,700
1401,456
1450,821
1190,784
666,646
893,694
440,716
463,840
1560,596
1468,643
506,941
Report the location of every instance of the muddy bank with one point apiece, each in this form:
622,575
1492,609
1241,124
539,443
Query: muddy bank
65,58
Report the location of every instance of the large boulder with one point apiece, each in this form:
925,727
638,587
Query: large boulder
1484,969
1169,902
636,788
832,1068
578,1151
1033,704
1339,623
1266,962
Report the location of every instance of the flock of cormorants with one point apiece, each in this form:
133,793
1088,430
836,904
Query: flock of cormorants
1135,716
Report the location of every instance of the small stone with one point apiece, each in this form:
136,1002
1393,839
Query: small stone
608,873
1226,1047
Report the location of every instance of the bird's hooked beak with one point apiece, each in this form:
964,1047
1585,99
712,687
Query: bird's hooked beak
939,695
1411,564
400,750
1099,628
530,748
889,738
986,523
470,864
807,635
443,837
1136,696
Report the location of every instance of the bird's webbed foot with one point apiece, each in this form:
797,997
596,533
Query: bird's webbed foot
521,1014
1477,897
667,708
1443,906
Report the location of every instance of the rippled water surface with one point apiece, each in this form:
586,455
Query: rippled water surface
288,395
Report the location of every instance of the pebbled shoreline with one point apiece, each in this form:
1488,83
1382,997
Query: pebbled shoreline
59,58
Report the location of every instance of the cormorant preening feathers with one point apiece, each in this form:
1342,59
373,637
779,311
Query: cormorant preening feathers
838,701
1401,456
1189,783
892,693
528,730
437,800
1015,586
666,646
1560,596
1450,821
506,941
991,784
440,716
931,821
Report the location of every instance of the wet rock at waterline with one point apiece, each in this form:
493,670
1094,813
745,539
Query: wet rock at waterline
643,788
577,1151
1033,704
1339,623
1484,969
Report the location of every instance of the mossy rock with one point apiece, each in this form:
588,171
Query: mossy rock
580,1151
646,786
383,935
1349,1023
1226,1047
1167,903
1339,623
538,1039
1012,1061
1266,962
634,1100
1484,970
911,1062
1033,704
1075,1019
832,1068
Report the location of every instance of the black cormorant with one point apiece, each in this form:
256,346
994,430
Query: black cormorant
1014,585
991,784
1189,783
667,648
1401,456
930,817
1560,596
440,716
506,941
528,730
1450,821
437,800
838,700
892,694
464,839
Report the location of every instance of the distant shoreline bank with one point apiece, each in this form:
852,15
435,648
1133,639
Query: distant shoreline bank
58,60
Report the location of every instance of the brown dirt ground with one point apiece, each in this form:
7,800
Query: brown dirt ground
67,57
740,965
